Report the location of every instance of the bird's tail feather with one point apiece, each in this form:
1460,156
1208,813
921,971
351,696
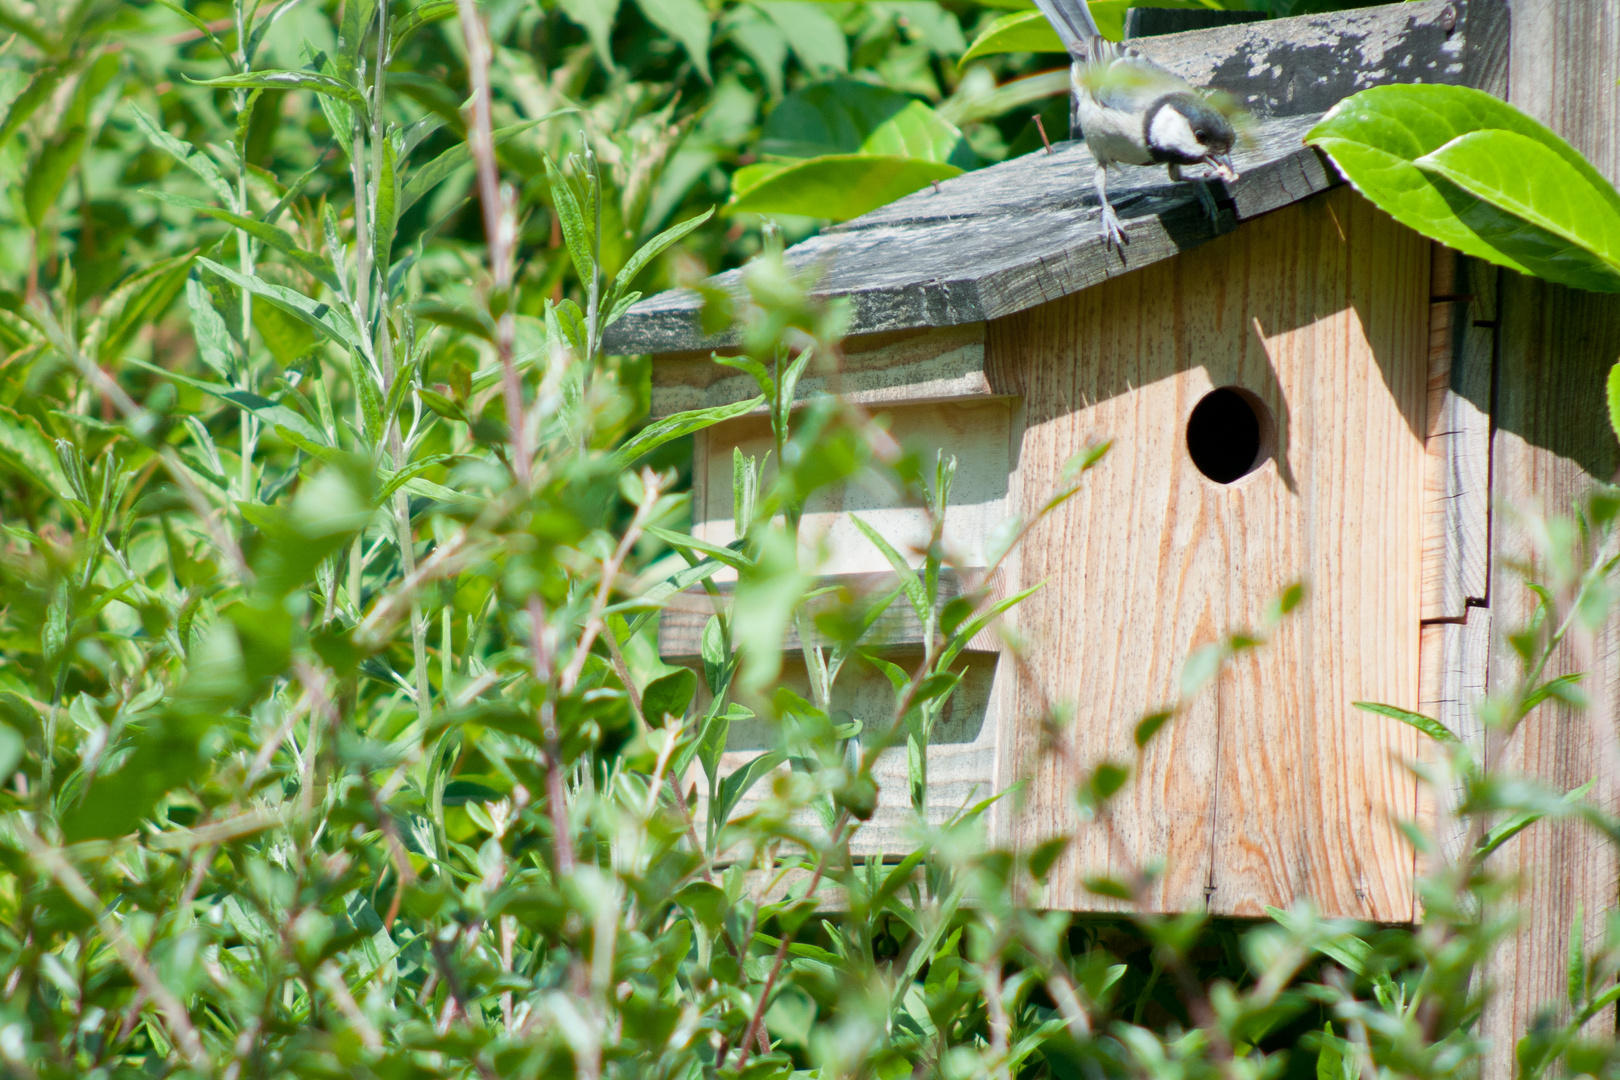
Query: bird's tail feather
1074,25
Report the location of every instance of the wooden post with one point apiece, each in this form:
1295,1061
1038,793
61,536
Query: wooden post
1552,443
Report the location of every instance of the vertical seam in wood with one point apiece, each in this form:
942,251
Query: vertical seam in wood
1490,442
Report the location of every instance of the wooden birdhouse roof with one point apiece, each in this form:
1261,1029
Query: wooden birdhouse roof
1002,239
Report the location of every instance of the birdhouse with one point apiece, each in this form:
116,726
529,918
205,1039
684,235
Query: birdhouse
1269,381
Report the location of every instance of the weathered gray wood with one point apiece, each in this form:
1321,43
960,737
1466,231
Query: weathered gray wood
1456,513
1451,683
875,369
1000,240
1006,238
680,630
1307,64
1551,446
1142,22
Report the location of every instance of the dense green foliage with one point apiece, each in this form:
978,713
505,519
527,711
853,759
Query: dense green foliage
333,733
1479,176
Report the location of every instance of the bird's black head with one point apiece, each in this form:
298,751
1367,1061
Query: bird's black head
1186,129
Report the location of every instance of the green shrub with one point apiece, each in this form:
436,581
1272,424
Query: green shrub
334,734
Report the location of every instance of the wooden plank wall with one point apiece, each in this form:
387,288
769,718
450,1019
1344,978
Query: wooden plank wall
1551,444
980,432
1270,787
1464,306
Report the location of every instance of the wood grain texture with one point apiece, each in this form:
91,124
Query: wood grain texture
977,432
1456,507
680,628
1452,680
1269,787
871,370
1551,444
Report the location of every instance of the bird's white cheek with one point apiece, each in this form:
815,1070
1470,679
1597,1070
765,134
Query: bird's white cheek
1169,130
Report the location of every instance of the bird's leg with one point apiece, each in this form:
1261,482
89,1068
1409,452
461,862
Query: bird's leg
1205,199
1112,233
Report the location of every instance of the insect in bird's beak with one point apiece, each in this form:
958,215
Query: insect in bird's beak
1222,164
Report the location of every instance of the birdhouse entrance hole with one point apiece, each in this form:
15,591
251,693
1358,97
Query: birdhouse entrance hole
1228,434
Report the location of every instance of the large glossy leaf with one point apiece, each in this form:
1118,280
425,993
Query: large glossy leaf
837,186
833,117
1391,143
1028,30
917,131
847,117
1516,173
1022,31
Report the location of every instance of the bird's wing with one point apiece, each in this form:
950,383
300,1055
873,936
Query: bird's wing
1129,81
1074,25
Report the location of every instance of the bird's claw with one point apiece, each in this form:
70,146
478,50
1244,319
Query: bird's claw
1206,199
1113,233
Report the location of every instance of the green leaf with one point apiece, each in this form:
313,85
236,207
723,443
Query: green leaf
270,235
1337,1059
672,427
814,35
706,902
736,785
1521,821
392,482
967,631
595,17
26,451
1022,31
137,301
682,542
839,187
331,321
577,232
1394,144
1150,724
432,174
423,14
326,85
668,695
1614,398
35,94
688,22
917,131
832,117
269,411
188,155
1530,180
916,593
654,248
385,214
1431,727
48,172
11,749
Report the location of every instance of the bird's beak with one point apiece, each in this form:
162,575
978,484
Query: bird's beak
1222,164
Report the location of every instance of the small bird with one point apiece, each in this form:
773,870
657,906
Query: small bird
1132,110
